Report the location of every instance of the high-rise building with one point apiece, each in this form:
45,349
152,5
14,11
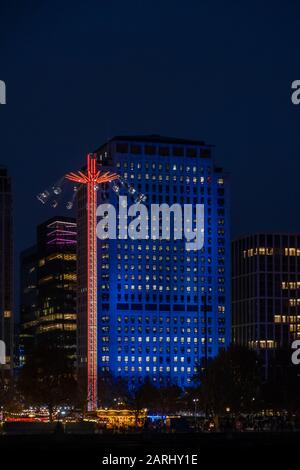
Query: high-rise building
48,287
163,310
6,267
265,293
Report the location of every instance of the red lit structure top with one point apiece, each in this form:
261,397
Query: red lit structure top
92,175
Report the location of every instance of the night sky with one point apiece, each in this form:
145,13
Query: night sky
78,73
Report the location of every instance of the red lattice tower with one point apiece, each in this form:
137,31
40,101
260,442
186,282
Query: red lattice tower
92,177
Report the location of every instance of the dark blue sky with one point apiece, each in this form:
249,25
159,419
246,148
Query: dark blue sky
221,71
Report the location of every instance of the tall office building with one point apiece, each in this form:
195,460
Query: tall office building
48,288
265,291
6,266
162,310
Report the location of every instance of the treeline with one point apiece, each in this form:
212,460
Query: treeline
232,382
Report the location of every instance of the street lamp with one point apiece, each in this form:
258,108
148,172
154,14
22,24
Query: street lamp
195,400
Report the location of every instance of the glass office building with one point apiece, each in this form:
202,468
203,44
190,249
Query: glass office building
265,294
48,289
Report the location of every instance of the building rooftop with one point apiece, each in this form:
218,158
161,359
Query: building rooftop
154,138
264,233
161,139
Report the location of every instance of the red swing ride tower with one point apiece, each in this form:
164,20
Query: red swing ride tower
91,178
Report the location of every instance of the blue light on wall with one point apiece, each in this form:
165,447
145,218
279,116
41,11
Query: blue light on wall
157,302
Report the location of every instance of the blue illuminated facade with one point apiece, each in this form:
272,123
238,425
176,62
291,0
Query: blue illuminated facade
163,310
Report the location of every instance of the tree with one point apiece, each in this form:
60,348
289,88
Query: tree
111,390
282,390
231,381
169,399
47,379
8,392
146,396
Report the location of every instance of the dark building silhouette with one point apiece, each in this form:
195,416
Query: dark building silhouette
266,294
6,267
